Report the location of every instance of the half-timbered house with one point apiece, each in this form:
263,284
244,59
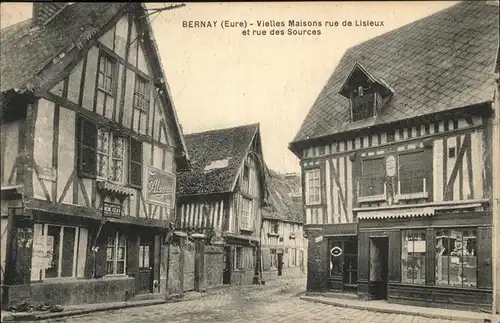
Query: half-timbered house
222,196
282,238
396,155
90,146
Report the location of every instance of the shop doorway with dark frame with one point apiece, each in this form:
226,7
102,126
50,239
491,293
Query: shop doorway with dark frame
379,256
343,254
146,265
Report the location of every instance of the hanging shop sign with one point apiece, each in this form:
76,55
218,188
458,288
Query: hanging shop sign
336,251
160,187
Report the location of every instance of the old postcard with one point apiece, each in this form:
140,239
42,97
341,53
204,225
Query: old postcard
250,162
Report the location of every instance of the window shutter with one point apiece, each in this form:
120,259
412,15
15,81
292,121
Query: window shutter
87,148
135,165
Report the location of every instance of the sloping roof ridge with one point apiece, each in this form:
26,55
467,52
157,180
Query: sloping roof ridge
222,129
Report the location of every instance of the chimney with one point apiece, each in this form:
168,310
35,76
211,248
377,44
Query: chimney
44,11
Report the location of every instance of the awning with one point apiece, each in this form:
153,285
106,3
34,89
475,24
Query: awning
115,189
396,213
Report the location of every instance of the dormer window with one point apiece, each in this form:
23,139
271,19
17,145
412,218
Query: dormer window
365,93
362,103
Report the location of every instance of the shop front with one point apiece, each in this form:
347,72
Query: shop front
426,257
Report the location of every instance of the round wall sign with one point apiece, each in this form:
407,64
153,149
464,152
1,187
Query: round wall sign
390,166
336,251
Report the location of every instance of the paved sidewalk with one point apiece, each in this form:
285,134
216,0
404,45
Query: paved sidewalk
72,310
386,307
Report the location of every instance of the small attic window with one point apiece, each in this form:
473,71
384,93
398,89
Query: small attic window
364,90
217,164
362,103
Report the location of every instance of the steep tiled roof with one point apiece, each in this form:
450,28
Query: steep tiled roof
227,148
25,51
285,198
441,62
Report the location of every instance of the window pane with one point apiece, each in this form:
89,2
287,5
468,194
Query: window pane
413,257
442,256
120,268
336,262
53,243
412,172
373,177
469,260
68,251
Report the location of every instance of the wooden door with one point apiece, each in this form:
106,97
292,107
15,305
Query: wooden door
280,264
226,277
146,262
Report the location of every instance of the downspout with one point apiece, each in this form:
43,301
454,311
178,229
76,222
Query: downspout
496,200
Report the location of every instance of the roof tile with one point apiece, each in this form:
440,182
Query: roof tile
441,62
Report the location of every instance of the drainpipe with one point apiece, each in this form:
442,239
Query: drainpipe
496,200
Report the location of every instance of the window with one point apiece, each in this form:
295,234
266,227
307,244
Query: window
87,139
144,256
116,250
413,257
141,97
275,226
57,251
106,74
110,156
238,255
313,188
273,257
135,165
140,105
246,219
373,177
362,103
456,257
412,172
245,182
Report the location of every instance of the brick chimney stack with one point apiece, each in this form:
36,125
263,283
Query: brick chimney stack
43,11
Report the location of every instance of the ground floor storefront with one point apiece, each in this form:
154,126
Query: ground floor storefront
442,260
283,262
63,259
241,260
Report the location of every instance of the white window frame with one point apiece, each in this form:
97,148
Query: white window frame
110,156
116,245
44,231
313,186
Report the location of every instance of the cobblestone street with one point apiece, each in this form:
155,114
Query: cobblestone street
270,303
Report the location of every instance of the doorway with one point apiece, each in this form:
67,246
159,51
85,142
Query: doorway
343,256
379,251
226,276
146,262
280,264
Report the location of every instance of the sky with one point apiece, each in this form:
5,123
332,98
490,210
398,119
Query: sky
221,78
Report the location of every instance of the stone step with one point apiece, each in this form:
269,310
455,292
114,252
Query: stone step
338,295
